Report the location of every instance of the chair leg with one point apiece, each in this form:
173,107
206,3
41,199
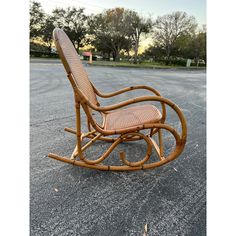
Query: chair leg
156,147
74,153
160,143
78,128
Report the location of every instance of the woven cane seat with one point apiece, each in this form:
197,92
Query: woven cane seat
132,117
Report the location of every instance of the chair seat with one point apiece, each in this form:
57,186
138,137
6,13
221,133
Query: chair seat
132,117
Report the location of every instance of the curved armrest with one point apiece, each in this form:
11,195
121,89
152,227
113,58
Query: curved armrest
108,95
157,93
131,101
144,99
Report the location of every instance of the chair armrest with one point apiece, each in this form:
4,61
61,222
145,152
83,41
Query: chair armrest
144,99
157,93
131,101
108,95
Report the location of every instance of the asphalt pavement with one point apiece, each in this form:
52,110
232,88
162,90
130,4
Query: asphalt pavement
69,200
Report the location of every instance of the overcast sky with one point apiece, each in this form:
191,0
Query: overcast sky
196,8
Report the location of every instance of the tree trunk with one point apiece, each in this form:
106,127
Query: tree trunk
116,55
50,47
117,58
136,49
136,53
167,59
128,54
168,50
197,61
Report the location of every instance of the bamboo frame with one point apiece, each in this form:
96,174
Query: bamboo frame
97,132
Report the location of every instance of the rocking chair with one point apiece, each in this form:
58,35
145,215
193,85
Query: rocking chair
120,125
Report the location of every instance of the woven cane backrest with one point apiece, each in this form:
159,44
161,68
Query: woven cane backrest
72,64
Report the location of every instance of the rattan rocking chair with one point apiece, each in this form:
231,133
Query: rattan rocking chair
123,124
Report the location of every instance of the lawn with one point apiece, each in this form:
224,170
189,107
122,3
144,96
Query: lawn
152,65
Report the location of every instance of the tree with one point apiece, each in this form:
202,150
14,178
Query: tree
111,31
36,19
170,27
138,26
74,23
198,47
155,53
47,30
193,47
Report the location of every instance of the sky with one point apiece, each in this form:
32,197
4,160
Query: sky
154,8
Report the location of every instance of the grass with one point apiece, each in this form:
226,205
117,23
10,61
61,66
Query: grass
151,65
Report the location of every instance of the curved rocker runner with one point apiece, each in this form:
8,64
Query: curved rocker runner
127,124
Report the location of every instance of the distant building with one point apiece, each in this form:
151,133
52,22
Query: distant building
86,55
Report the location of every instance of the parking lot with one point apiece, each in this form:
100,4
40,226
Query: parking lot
68,200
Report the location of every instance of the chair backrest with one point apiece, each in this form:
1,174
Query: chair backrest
72,64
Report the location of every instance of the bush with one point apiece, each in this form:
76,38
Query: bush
173,62
43,54
38,47
39,50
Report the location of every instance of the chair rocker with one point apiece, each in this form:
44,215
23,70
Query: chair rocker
124,124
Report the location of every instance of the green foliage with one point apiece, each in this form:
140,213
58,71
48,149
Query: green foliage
186,47
138,26
38,47
176,40
154,52
46,31
116,32
170,27
74,22
193,47
39,50
112,31
36,19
